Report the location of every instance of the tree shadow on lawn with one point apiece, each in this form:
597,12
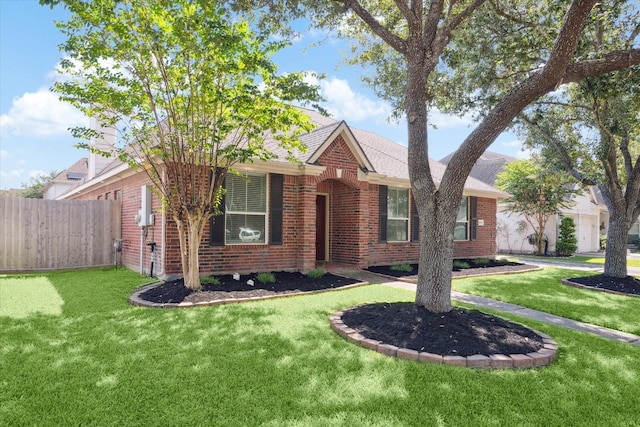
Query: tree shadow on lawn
543,291
279,363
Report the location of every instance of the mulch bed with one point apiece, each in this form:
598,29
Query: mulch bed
475,268
286,283
459,332
628,285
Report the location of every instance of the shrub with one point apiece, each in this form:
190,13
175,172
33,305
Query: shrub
209,280
316,273
481,262
567,242
603,242
462,265
266,277
402,267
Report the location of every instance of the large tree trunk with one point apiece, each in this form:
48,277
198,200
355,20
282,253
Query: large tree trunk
437,209
436,255
615,264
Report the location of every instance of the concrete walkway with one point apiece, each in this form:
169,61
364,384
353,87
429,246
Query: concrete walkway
596,268
528,313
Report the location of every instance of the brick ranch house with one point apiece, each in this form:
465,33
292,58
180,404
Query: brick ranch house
348,201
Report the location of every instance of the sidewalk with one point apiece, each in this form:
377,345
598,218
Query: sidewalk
596,268
507,308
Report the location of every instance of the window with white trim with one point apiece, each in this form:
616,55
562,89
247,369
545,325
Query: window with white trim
246,209
397,214
461,232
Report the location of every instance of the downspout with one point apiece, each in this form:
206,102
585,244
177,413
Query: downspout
142,236
163,234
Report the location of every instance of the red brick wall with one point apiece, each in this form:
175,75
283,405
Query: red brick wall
353,226
249,257
485,244
391,252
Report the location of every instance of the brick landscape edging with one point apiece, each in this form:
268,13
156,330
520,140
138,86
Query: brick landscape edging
568,282
542,357
135,299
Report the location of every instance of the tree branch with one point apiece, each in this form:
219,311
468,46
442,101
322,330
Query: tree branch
380,30
609,62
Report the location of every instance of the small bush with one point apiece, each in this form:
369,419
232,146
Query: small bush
209,280
402,267
567,242
603,242
461,265
266,277
316,273
481,262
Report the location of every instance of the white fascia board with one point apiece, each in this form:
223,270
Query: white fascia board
122,171
284,168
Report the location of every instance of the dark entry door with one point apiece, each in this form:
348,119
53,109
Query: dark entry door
321,228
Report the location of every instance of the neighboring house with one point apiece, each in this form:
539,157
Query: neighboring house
66,180
347,202
587,209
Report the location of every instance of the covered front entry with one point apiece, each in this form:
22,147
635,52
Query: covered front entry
322,227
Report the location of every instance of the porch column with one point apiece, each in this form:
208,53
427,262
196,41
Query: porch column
306,257
363,224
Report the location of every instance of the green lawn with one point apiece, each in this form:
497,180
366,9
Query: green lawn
542,290
99,361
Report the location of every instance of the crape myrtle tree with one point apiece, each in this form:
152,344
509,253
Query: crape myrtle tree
535,191
192,91
593,131
489,58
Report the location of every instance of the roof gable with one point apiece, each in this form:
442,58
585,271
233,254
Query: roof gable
343,130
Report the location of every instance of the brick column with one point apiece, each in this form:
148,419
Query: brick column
306,258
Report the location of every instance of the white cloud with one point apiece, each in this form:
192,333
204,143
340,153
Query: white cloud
12,174
4,154
37,173
345,104
524,153
40,114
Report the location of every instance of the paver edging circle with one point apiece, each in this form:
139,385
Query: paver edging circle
543,357
136,300
568,282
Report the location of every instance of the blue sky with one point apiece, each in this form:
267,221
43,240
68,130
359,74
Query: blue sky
34,137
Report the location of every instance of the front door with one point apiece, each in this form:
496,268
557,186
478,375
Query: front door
321,227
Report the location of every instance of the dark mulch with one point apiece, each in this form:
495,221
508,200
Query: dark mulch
628,285
476,266
459,332
286,283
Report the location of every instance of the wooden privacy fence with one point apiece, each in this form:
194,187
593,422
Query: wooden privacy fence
40,234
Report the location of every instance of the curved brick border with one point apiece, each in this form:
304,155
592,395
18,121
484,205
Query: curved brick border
135,299
568,282
542,357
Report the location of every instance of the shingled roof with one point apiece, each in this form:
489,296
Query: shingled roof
380,155
488,166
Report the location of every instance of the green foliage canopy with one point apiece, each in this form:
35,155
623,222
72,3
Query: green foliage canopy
536,192
192,91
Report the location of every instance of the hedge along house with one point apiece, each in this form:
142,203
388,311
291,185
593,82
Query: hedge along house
347,202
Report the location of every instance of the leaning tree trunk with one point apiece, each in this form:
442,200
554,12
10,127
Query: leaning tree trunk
615,264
